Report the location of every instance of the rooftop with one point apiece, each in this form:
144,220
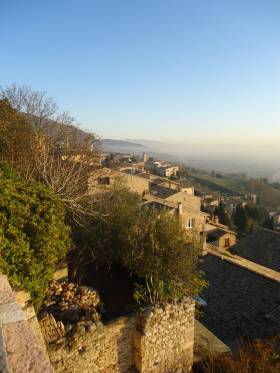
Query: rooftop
161,191
240,302
217,233
262,247
159,205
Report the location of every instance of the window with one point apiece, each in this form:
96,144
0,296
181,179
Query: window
189,223
103,180
226,242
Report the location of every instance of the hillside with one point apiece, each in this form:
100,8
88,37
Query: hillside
120,143
269,196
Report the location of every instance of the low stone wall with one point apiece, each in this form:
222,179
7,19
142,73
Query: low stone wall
106,349
23,299
20,350
158,339
164,339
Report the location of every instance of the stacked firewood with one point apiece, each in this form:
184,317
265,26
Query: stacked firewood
77,307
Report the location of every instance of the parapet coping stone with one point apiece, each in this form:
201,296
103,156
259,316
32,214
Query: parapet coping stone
3,357
11,312
20,351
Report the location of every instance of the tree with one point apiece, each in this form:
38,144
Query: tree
41,144
33,235
166,257
268,223
16,139
35,104
241,217
223,216
149,244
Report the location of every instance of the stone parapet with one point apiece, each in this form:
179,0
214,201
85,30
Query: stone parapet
20,350
157,339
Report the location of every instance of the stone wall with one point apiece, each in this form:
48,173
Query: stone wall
164,339
20,350
156,340
231,240
23,299
134,183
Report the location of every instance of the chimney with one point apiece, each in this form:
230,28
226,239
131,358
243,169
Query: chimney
180,208
203,236
180,213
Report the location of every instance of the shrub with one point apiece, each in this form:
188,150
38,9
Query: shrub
33,235
150,244
253,356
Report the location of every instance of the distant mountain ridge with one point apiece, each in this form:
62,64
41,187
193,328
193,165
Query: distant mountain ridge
122,143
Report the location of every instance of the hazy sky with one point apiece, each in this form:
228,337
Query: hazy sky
172,70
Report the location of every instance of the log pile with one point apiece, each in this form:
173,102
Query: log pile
77,307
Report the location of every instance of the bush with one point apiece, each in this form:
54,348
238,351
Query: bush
33,235
255,356
149,244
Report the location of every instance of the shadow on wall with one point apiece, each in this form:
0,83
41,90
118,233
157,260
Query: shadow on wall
125,348
115,287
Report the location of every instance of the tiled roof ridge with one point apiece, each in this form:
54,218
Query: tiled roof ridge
269,230
247,264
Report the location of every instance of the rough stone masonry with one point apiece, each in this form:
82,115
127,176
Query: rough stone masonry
159,339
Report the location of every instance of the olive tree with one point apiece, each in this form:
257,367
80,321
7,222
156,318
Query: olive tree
149,244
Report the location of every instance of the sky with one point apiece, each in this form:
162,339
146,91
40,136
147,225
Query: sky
168,70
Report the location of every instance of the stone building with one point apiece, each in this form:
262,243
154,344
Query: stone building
182,202
167,170
162,169
108,178
276,220
219,235
253,198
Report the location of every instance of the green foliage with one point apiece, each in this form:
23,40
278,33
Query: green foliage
152,291
104,238
242,219
33,236
148,243
268,223
223,216
268,194
258,356
16,134
275,185
248,217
